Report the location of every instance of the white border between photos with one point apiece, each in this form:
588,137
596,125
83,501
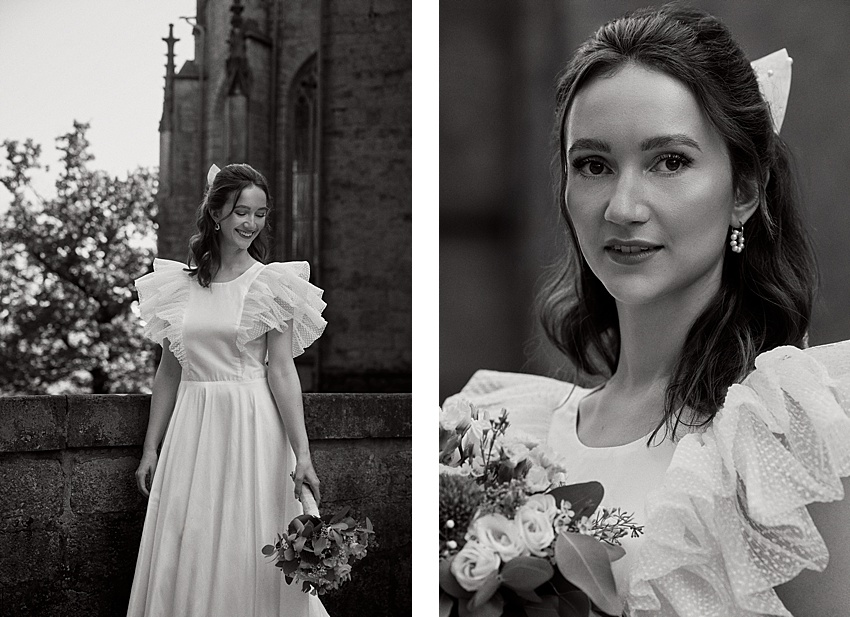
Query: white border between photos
425,241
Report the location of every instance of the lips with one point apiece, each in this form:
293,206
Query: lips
625,248
245,234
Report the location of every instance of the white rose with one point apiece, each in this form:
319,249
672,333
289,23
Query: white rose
537,479
535,529
544,504
473,564
456,413
475,434
497,533
516,452
559,478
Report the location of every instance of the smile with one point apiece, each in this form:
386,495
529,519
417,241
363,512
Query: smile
622,248
244,234
631,255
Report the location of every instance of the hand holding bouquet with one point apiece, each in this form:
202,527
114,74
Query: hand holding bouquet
318,552
514,540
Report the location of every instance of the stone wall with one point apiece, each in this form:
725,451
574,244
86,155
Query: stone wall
71,516
366,193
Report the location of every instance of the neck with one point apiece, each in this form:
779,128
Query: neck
653,335
234,259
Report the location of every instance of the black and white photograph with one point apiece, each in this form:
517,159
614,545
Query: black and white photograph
206,308
644,364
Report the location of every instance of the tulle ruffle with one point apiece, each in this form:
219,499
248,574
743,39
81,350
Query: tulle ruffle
163,294
282,292
730,521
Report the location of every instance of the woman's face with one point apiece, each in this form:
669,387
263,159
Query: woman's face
649,186
246,219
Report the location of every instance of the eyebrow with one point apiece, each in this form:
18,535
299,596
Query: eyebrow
653,143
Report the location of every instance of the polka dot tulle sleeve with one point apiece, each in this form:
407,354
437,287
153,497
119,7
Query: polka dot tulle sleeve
730,521
163,294
282,293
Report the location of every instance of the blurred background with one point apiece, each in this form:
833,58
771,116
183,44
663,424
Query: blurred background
499,224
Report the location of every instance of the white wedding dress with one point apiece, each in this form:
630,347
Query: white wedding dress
222,490
724,508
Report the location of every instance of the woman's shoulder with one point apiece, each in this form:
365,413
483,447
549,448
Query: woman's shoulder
731,514
282,294
300,269
530,400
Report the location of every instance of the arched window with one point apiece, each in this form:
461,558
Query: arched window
302,231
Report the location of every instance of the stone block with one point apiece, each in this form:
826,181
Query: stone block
356,416
104,547
30,551
107,419
32,423
104,481
32,487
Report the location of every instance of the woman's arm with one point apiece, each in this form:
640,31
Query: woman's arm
286,388
812,594
164,395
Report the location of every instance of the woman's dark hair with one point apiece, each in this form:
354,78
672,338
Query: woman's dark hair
767,291
204,247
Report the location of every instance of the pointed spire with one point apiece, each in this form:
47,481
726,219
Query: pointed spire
237,60
168,103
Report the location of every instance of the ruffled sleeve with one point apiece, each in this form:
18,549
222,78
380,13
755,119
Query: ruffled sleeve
529,399
281,292
730,521
163,294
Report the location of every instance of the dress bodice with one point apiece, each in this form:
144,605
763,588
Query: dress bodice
210,326
627,472
217,333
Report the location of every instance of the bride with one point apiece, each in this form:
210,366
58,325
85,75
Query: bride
691,291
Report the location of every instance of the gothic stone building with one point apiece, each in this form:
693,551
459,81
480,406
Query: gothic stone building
316,94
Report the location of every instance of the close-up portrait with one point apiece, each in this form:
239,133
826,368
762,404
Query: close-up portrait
644,359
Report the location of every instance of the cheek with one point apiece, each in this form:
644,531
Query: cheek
584,212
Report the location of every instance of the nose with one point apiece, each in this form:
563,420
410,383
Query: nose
627,201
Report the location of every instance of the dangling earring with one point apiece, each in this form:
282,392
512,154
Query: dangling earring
217,227
736,239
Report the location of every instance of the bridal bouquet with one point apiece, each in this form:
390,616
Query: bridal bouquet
318,551
515,539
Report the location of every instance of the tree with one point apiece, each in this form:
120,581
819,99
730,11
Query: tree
68,309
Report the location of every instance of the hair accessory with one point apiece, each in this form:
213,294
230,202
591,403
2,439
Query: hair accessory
211,174
736,239
773,72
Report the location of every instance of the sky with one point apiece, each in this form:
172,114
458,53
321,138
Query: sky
96,61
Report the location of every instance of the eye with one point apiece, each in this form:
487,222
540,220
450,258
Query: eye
590,167
671,163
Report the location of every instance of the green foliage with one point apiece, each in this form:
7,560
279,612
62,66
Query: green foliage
66,270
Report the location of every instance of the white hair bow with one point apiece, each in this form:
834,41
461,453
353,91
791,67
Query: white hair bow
214,169
773,72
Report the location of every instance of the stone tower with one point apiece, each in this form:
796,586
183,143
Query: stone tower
316,94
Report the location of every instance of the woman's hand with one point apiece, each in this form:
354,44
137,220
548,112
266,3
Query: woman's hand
305,474
146,466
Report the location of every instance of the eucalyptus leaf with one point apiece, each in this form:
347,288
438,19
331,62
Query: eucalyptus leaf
614,552
547,607
576,603
584,498
488,588
584,562
526,573
268,550
493,608
446,604
289,567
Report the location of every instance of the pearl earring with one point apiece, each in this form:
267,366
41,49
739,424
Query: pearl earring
736,239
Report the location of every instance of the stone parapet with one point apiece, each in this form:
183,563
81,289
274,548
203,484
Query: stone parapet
71,516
